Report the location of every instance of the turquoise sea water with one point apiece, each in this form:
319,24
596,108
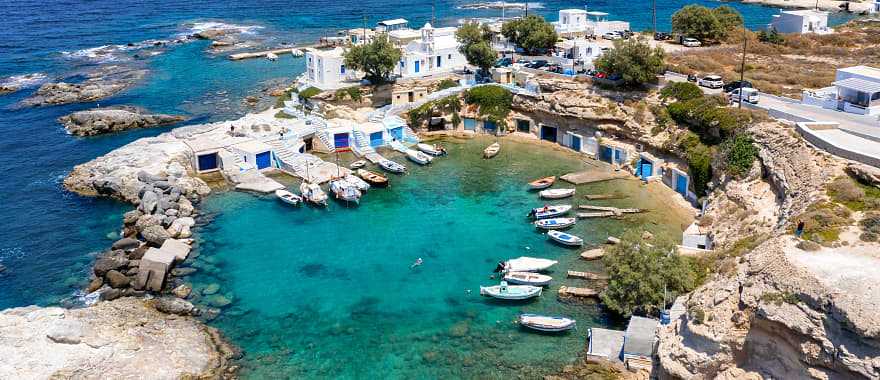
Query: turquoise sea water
330,293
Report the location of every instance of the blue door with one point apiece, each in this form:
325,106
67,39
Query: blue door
548,133
576,143
605,153
617,155
376,139
489,126
264,160
208,161
681,185
397,133
417,66
340,140
647,169
438,61
470,124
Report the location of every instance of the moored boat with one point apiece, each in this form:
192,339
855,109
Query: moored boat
271,56
526,264
492,150
527,278
392,166
556,193
357,182
542,183
358,164
373,178
434,150
345,191
549,211
288,197
555,223
418,157
312,192
511,292
564,238
546,323
296,52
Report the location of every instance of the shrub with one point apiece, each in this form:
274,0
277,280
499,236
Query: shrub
822,222
279,103
353,93
309,93
739,154
493,101
771,37
681,91
282,115
699,316
447,83
854,195
634,60
778,298
422,113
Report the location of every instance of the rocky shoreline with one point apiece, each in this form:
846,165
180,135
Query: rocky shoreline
114,119
858,7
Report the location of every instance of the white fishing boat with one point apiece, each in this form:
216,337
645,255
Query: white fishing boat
556,193
549,211
546,323
355,181
358,164
511,292
296,52
542,183
564,238
345,191
391,166
434,150
418,157
288,197
527,278
555,223
527,264
491,150
271,56
312,192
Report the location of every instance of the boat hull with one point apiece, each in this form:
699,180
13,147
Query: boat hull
520,294
565,239
427,149
546,324
528,264
527,278
556,194
392,167
552,211
542,183
555,223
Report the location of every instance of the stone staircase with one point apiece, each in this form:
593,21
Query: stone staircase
284,156
361,146
325,139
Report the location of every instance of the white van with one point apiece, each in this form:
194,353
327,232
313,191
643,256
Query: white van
749,95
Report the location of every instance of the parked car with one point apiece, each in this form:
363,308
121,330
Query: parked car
749,94
600,75
692,78
612,36
662,36
626,34
691,42
711,81
736,84
537,64
503,62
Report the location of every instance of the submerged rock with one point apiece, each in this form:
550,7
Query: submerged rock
174,305
182,291
113,119
101,83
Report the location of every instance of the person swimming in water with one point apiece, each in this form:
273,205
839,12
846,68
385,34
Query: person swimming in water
417,263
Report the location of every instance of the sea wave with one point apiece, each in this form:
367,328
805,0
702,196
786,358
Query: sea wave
501,5
24,80
198,27
11,253
116,53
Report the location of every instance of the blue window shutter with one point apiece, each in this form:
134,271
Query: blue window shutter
342,69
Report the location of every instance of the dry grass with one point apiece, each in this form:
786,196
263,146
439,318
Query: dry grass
801,62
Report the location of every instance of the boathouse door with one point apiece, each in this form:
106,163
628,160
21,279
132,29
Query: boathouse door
605,153
264,160
548,133
376,139
647,169
207,162
397,133
340,140
470,124
489,126
575,143
681,184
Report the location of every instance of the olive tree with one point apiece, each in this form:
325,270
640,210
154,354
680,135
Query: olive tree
532,33
634,60
377,59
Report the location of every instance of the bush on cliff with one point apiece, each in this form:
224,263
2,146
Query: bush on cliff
639,273
739,154
493,101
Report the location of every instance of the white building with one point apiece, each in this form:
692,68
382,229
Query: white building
801,22
391,25
855,89
876,8
325,69
601,25
577,23
579,50
436,51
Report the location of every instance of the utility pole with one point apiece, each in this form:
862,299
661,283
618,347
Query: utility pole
742,68
433,18
654,15
527,9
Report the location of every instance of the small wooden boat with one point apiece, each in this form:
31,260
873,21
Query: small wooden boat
345,191
593,254
373,178
527,278
358,164
391,166
555,223
542,183
492,150
271,56
357,182
564,238
546,323
528,264
556,193
511,292
434,150
418,157
549,211
312,192
288,197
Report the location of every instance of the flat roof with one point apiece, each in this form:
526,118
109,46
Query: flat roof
392,22
573,10
806,12
405,33
640,335
859,84
867,71
253,146
606,343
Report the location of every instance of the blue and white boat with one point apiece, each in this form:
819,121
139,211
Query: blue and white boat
564,238
555,223
549,211
527,264
345,191
391,166
511,292
546,323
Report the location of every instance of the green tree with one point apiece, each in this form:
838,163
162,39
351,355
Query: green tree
473,40
634,60
698,22
681,91
532,33
639,272
771,37
481,55
728,17
377,59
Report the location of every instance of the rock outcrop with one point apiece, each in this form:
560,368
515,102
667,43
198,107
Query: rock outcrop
105,120
102,83
121,339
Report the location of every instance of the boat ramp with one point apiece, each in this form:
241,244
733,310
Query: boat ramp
571,291
593,176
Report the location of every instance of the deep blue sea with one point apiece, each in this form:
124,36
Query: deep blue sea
48,237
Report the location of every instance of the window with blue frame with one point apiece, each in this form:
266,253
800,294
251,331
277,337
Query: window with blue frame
342,69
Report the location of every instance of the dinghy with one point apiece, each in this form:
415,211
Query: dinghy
511,292
527,264
312,192
527,278
392,166
549,211
542,183
556,193
358,164
418,157
434,150
555,223
288,197
492,150
564,238
271,56
345,191
355,181
546,323
372,178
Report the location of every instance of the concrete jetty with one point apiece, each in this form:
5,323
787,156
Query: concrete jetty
592,176
614,210
571,291
264,53
601,214
587,275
